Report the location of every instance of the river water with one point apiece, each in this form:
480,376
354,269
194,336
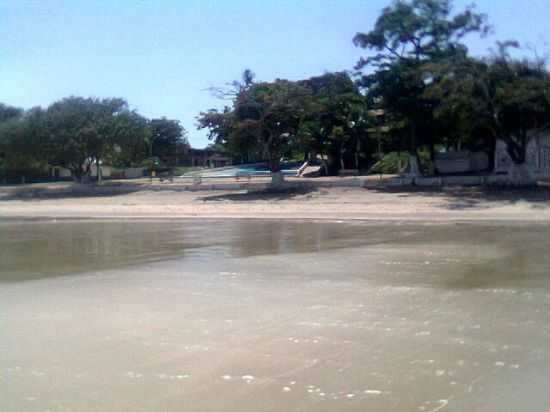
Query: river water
273,316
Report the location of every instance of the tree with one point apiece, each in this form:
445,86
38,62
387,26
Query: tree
497,98
221,124
231,90
455,118
131,136
222,130
263,121
79,132
513,99
20,146
168,140
9,112
336,123
322,115
408,40
14,153
269,115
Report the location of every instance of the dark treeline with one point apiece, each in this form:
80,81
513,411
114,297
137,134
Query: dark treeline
79,133
417,91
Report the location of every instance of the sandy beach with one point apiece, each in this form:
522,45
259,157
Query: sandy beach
162,200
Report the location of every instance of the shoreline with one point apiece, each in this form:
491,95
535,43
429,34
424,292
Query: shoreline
372,219
327,204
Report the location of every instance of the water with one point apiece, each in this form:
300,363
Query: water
273,316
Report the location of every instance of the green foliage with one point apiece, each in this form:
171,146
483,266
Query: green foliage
221,127
78,132
323,115
513,99
74,133
270,115
263,122
391,163
411,43
9,112
129,136
337,120
496,98
418,30
168,140
15,150
20,152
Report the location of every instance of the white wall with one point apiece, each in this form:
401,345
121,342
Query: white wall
538,155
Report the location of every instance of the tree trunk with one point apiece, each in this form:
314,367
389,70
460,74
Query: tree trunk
432,152
413,168
324,163
77,175
356,155
277,179
98,167
274,164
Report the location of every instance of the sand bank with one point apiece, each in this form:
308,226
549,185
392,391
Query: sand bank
169,201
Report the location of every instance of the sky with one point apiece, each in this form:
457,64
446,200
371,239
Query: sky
163,55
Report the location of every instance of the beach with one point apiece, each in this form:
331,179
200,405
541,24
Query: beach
165,200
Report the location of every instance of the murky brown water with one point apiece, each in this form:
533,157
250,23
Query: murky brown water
273,316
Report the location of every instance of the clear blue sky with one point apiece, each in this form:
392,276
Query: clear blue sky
161,55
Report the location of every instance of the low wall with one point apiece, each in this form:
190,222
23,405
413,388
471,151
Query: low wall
395,182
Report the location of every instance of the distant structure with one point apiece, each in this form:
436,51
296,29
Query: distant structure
193,157
538,155
107,172
207,158
461,161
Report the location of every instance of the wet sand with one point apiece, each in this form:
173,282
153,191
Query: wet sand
167,201
249,315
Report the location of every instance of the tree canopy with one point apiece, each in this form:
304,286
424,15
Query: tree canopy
79,132
336,124
410,46
74,133
168,140
323,115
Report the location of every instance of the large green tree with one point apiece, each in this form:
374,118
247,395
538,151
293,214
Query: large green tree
407,41
336,124
20,150
79,132
9,112
496,98
168,140
222,130
263,121
512,98
221,124
269,115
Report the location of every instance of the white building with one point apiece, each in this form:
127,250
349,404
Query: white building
538,155
58,172
461,161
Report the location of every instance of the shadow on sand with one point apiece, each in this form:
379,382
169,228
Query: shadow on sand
478,197
266,195
65,191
